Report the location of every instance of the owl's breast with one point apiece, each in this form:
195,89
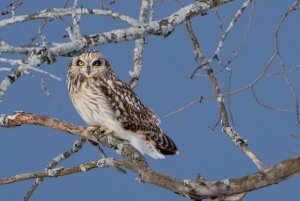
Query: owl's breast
94,107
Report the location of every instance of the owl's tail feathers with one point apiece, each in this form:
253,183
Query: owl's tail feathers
162,143
155,144
166,145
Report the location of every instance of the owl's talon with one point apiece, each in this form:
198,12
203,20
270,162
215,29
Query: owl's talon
92,129
102,130
106,131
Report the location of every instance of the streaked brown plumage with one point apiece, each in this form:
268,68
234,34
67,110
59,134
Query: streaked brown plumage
102,99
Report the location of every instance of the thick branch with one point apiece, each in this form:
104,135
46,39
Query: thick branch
162,27
96,134
193,189
60,12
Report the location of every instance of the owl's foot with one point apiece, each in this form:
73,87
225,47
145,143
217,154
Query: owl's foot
98,130
106,131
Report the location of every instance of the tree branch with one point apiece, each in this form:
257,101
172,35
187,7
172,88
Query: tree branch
57,172
163,27
61,12
192,189
61,157
138,49
227,128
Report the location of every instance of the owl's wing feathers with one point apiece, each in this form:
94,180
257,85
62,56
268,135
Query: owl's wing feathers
134,116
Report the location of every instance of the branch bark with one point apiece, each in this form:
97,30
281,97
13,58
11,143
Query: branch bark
162,27
227,128
194,189
78,43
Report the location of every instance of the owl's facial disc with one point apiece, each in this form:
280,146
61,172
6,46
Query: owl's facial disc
89,64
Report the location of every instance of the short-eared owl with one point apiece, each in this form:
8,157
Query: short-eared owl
102,99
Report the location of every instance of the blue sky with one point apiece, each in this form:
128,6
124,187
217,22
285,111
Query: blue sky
164,86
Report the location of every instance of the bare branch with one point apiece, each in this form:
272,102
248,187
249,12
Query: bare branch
162,27
284,70
46,52
75,148
229,28
61,12
227,128
40,55
282,65
98,135
268,106
5,69
138,50
192,189
10,79
197,100
56,172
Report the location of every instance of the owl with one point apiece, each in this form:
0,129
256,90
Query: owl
102,99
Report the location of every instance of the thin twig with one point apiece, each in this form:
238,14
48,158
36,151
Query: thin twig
45,72
227,128
229,28
151,10
47,92
282,65
235,56
103,155
186,106
5,69
56,172
58,159
14,6
283,72
260,103
10,79
138,49
287,70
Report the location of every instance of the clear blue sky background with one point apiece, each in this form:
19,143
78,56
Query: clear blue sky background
164,86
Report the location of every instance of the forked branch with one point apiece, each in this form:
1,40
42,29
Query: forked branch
193,189
227,128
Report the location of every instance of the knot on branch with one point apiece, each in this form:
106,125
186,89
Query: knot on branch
4,121
106,162
10,121
54,172
45,55
241,142
91,40
166,27
235,136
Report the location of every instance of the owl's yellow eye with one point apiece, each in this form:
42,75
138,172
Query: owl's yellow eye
80,63
96,63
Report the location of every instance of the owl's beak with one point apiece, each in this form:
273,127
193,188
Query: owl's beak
88,69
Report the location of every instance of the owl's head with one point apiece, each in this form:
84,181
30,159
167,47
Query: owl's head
89,63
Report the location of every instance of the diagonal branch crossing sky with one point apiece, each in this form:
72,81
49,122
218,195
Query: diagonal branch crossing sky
164,86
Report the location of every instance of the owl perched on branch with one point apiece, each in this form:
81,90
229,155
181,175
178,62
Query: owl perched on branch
102,99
